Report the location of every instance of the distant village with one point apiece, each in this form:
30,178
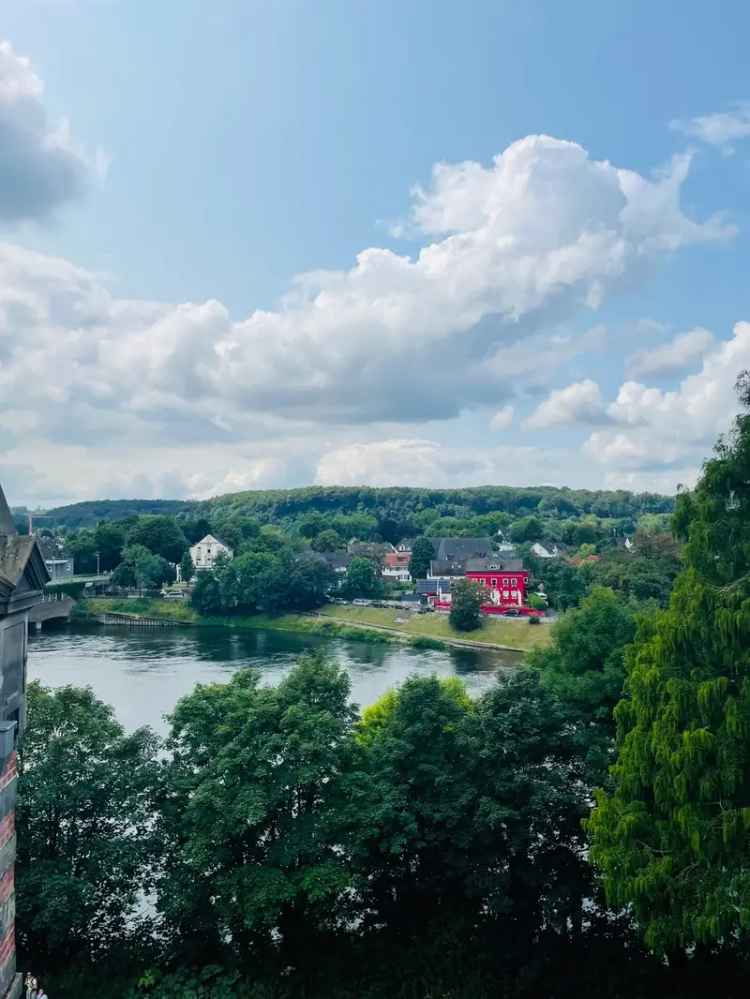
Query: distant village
491,563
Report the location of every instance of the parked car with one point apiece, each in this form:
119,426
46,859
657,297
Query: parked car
359,602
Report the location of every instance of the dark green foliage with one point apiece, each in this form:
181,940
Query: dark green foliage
646,572
466,603
187,569
433,849
195,529
584,664
260,581
327,541
70,589
527,529
91,512
422,554
139,567
81,547
109,541
161,535
714,519
124,576
357,511
254,777
362,579
673,838
206,596
564,584
84,849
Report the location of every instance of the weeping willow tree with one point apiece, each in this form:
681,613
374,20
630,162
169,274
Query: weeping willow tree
672,840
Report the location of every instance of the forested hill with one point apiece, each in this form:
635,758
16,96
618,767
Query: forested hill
91,512
408,505
280,504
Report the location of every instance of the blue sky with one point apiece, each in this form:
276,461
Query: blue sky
216,152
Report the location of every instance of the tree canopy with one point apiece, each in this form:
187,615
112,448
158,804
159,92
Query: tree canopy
673,837
466,605
86,794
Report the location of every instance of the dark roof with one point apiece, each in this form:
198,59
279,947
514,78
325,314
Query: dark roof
500,564
426,587
460,549
336,560
442,568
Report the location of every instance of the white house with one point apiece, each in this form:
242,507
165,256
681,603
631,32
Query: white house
541,552
205,553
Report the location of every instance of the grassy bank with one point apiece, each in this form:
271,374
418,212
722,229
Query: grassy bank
369,624
515,633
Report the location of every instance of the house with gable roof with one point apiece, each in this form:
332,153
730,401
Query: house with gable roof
206,552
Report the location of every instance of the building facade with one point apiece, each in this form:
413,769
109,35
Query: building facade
207,552
504,581
397,566
23,577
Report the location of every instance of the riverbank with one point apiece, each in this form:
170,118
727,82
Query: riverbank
369,624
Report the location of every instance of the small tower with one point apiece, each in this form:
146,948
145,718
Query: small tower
23,576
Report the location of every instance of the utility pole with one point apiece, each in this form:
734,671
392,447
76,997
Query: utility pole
97,563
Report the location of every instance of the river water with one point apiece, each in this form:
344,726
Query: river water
142,673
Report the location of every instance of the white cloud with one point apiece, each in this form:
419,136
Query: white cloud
512,251
415,462
671,358
719,128
503,419
41,166
668,434
580,402
546,231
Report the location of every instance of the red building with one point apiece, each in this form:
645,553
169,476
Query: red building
505,581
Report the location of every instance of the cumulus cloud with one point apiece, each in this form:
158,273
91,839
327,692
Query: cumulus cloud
580,402
512,251
542,232
416,462
503,419
41,165
671,358
654,431
719,128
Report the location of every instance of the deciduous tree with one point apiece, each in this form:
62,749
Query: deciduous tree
84,847
422,554
466,604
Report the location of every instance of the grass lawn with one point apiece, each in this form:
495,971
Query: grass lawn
341,620
514,632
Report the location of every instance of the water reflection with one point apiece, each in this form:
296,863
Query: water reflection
142,674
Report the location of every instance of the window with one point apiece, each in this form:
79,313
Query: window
514,583
494,582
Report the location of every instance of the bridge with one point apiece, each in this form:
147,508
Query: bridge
52,607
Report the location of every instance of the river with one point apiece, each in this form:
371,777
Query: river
142,673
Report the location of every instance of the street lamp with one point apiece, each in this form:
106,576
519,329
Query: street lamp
97,562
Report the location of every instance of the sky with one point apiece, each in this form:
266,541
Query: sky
270,244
